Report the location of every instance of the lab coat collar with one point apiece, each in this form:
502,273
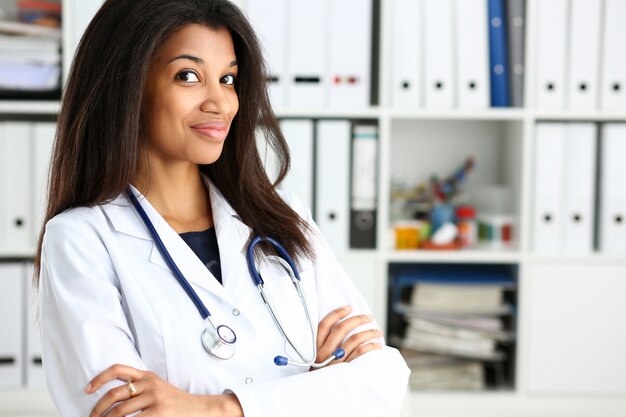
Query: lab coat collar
232,236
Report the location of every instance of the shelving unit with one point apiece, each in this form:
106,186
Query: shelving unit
504,139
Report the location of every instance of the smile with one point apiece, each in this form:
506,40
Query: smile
212,130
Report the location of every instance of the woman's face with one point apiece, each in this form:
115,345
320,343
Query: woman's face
190,99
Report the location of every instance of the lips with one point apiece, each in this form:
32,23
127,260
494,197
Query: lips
216,130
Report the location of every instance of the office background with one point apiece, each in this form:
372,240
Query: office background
502,121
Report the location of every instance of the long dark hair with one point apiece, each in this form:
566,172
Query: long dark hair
100,127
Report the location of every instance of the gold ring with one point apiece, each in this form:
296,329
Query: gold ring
131,389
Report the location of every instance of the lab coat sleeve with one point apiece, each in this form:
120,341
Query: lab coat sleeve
372,385
83,325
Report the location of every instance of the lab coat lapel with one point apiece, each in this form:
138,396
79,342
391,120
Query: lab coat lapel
232,234
125,219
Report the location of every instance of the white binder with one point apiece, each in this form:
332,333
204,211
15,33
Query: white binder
547,221
407,54
472,54
551,53
307,53
332,187
269,19
268,156
43,140
579,188
34,370
439,54
76,18
15,186
584,56
299,180
612,236
11,324
350,59
613,86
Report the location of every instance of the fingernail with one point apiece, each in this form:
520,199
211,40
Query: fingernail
347,308
370,317
88,389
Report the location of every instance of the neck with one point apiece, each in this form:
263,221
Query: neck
178,193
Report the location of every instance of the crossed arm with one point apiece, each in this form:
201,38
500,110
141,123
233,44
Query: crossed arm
155,397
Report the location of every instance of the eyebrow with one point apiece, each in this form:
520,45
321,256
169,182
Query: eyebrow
196,59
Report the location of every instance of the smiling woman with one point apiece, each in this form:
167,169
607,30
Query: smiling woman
156,190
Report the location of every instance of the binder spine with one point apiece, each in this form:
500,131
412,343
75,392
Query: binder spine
499,70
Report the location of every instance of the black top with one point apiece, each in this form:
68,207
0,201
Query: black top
204,245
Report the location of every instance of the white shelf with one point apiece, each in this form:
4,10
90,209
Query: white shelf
43,107
511,114
595,259
313,113
599,116
502,256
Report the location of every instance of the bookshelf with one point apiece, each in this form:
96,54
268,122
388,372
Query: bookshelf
586,375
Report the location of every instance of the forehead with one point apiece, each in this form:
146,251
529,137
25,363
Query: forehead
199,40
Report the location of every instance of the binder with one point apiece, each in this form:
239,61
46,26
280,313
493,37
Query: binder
268,156
350,59
269,19
15,185
75,21
516,31
612,219
498,54
11,322
584,56
547,221
307,53
363,191
43,140
472,56
407,54
439,54
551,52
579,188
299,180
332,185
613,94
35,378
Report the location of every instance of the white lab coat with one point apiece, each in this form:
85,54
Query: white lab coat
107,296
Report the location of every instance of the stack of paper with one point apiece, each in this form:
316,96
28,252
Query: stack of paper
437,372
459,315
469,337
29,63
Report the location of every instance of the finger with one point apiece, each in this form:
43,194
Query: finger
128,407
330,320
359,339
117,371
339,333
363,349
115,395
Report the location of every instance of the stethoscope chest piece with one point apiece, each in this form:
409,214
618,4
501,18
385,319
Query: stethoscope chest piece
219,342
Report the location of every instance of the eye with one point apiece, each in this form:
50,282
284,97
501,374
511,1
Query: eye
188,77
228,79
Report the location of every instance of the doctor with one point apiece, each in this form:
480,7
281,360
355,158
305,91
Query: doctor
156,192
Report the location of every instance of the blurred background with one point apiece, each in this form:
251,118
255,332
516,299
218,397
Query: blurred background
464,158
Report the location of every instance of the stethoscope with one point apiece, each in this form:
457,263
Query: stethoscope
219,341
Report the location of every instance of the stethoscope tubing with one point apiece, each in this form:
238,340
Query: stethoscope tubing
204,312
258,280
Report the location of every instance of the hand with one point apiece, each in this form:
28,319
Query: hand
333,329
155,397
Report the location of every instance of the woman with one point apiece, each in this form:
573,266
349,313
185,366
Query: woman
157,129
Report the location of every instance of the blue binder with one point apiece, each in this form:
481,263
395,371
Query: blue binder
498,55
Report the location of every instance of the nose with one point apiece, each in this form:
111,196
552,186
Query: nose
218,98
